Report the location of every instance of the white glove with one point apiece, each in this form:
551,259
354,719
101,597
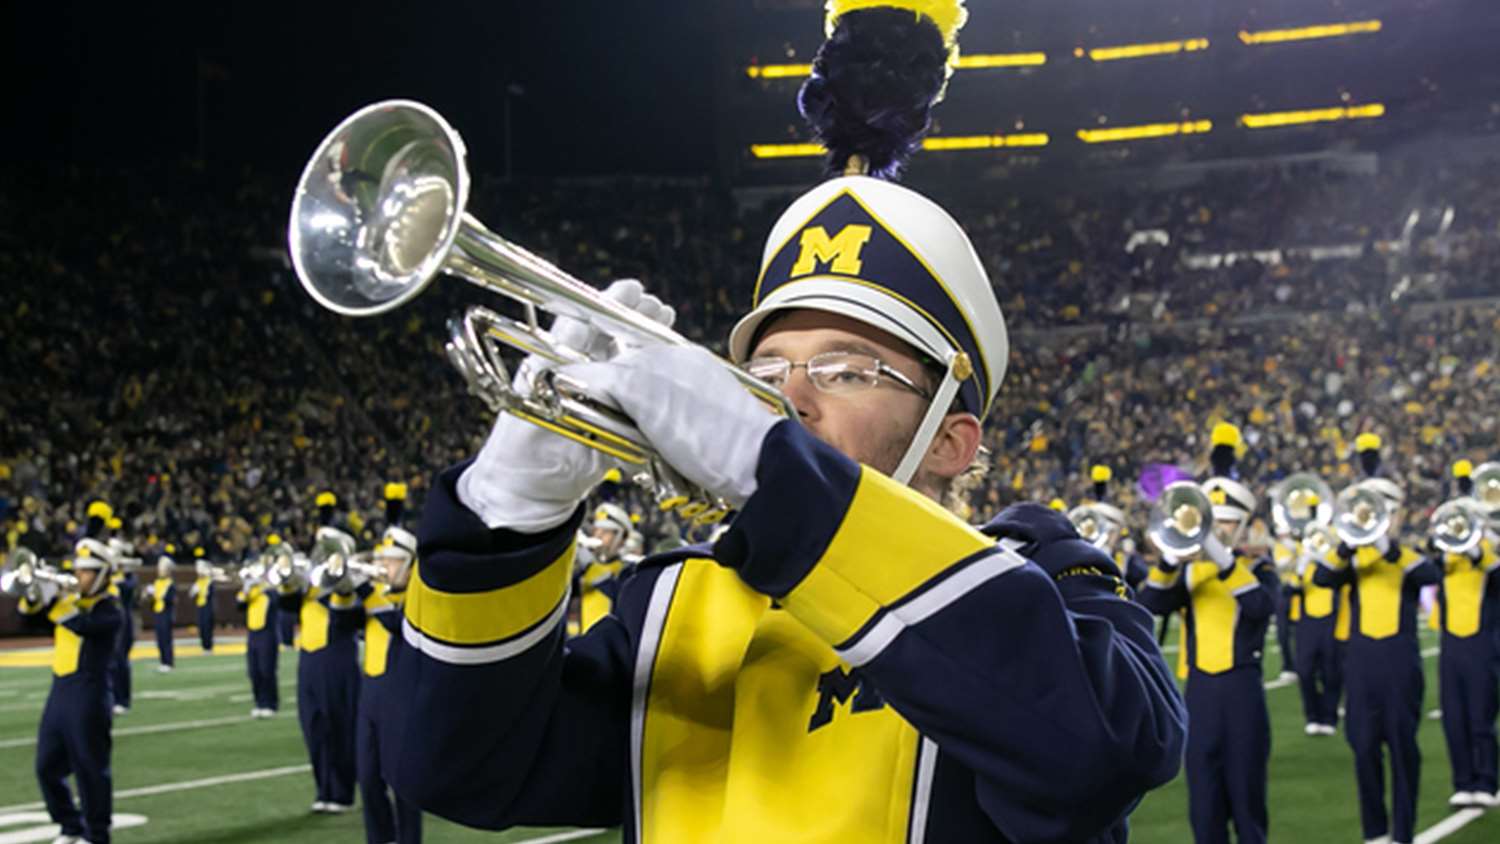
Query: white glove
592,342
692,410
1218,553
1382,544
528,479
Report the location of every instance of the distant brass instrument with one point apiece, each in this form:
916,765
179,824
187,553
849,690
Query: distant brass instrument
1300,503
1094,525
1486,479
1182,519
25,575
1457,526
287,571
337,567
1361,515
380,212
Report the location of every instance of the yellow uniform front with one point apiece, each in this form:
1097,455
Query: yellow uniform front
862,667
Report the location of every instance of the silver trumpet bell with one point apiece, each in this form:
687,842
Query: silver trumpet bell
1300,502
1181,519
1457,526
1361,515
1095,527
1320,541
380,212
1486,479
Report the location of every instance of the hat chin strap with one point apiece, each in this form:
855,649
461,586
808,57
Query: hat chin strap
936,411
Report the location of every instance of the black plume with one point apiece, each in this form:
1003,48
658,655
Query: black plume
873,85
1222,460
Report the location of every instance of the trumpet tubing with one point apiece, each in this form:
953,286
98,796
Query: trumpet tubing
380,212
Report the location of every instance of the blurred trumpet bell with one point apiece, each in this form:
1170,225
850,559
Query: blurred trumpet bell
1181,519
1457,526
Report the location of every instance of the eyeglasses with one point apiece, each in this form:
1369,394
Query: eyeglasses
837,373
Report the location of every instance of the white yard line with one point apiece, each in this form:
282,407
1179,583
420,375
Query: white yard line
150,729
562,836
170,787
1449,825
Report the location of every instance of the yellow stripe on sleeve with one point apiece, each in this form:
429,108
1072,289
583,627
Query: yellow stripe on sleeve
481,618
892,541
1163,579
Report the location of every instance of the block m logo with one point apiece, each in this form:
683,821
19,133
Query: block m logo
840,252
836,686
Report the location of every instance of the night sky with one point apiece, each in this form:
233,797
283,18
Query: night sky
115,84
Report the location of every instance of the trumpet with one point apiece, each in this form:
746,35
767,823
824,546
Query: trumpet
223,574
336,565
1320,541
1457,526
251,574
1300,503
1095,525
25,575
380,212
1181,520
287,572
1361,515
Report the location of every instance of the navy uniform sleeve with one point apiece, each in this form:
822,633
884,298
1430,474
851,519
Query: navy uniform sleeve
1257,594
1039,675
346,612
1420,570
1333,571
102,620
1165,590
499,721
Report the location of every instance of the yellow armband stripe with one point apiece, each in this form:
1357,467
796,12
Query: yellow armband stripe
891,543
482,618
1163,579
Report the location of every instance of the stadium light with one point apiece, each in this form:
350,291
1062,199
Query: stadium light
945,143
978,61
1136,51
1149,130
1308,33
777,71
1272,119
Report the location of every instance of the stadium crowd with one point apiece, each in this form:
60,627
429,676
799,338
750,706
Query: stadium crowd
159,353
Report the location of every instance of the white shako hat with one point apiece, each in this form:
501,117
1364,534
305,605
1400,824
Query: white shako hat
884,255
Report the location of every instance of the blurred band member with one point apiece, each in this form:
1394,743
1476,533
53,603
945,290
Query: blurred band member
202,593
1383,666
74,736
598,582
125,584
327,678
163,595
1321,611
255,600
388,817
1229,600
1467,664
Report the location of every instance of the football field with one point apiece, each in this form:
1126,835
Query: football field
191,767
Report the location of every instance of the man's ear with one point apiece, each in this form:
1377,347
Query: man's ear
955,445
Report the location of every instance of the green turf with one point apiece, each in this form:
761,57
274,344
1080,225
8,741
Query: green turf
1311,787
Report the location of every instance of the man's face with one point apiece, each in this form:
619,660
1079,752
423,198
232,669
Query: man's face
397,573
872,426
1226,531
612,539
86,578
